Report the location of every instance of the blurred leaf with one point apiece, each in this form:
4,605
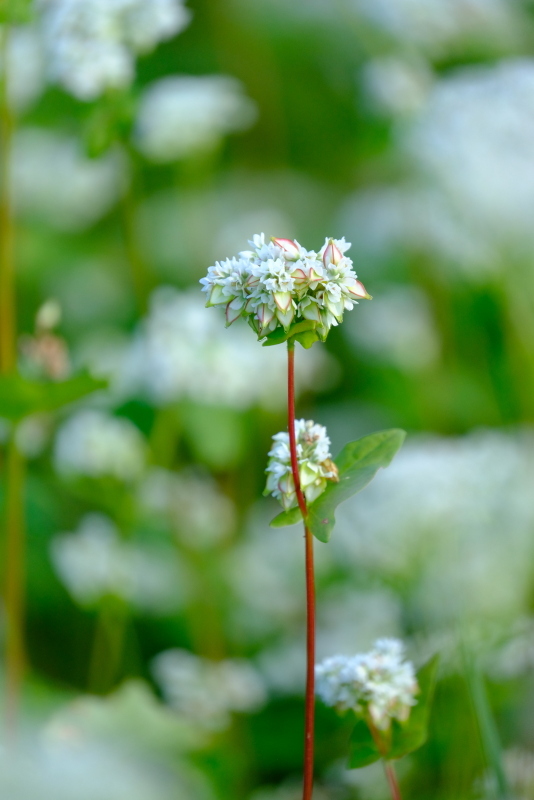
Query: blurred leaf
357,463
279,336
216,434
15,11
20,397
411,735
363,750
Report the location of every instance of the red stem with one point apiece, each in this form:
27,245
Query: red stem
310,585
392,780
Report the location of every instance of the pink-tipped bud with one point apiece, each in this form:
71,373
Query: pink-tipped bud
264,315
287,246
332,254
282,300
233,311
299,277
357,289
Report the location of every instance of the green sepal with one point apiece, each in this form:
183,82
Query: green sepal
20,397
307,338
363,749
404,737
357,463
279,335
412,734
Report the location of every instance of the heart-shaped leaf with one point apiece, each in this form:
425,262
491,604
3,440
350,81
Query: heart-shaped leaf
357,463
412,734
363,750
20,397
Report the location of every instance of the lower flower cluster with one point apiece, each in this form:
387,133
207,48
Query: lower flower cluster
380,684
316,467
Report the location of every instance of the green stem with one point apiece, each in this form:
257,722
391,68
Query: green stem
139,271
14,590
108,644
309,720
7,267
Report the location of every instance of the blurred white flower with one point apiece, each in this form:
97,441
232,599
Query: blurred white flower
54,180
25,67
33,434
397,85
95,562
179,353
95,444
200,514
380,682
315,464
180,116
208,691
451,520
400,329
92,44
435,25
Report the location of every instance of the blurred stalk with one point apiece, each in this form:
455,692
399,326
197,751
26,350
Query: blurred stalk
309,719
489,736
108,644
392,780
14,478
138,268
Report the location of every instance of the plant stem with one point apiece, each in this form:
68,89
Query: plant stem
14,581
310,584
14,476
392,780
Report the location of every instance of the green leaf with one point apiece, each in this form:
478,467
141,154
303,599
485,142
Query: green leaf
307,338
412,734
290,517
20,397
363,750
279,336
357,463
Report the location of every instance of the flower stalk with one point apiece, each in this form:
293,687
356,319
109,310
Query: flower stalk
309,720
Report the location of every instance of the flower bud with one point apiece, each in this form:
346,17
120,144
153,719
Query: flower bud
357,289
332,254
289,247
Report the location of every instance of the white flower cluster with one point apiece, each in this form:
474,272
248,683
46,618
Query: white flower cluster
54,180
180,116
169,364
379,683
25,67
93,562
92,44
208,691
95,444
316,467
201,516
277,283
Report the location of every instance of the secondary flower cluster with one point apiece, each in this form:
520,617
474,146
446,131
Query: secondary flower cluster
316,467
379,683
277,283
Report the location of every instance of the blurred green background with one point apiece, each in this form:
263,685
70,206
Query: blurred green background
164,626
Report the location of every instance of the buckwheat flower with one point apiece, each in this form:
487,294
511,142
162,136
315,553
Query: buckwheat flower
181,115
95,444
279,282
92,44
208,691
316,467
380,684
25,67
94,562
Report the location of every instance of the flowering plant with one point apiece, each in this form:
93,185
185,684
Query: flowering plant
284,290
287,293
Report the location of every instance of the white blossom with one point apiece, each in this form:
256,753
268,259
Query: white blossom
95,444
54,180
200,514
208,691
380,683
94,562
182,115
278,282
92,44
315,463
25,67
